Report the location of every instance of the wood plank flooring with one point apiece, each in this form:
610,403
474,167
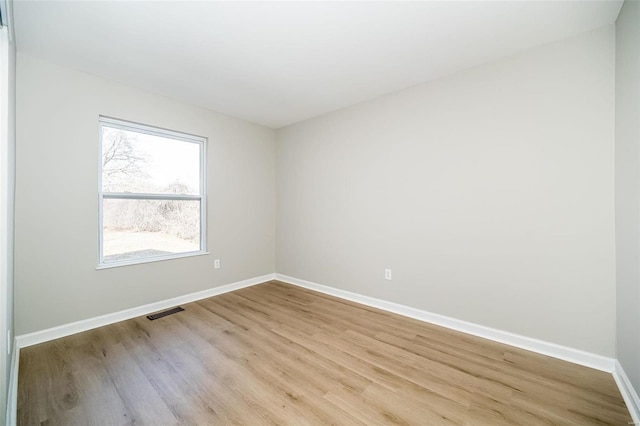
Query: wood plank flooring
278,354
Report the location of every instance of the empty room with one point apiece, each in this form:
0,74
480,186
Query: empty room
320,212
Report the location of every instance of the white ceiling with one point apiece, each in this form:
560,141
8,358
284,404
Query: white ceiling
277,63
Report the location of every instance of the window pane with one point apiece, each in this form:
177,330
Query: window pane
134,229
137,162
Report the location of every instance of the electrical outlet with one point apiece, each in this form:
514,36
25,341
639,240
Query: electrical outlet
387,274
216,263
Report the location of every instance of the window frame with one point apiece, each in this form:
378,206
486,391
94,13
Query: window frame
110,122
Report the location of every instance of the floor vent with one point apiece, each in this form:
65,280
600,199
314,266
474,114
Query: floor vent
165,313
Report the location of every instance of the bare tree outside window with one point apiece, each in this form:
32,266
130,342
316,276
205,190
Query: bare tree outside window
120,160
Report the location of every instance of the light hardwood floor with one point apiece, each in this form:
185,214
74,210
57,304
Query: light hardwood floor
278,354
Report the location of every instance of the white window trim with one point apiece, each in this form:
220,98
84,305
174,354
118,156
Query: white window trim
153,131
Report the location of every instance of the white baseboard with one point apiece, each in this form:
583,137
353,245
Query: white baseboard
629,394
12,397
576,356
546,348
41,336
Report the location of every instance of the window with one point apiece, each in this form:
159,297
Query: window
151,194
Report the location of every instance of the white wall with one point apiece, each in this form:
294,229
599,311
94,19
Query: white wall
56,198
628,189
489,193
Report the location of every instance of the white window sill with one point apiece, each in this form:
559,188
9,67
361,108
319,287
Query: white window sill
128,262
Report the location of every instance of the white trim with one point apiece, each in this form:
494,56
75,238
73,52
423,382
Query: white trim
41,336
131,126
158,258
6,208
149,196
565,353
12,397
629,394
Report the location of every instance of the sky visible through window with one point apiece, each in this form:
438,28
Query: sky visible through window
152,164
171,161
